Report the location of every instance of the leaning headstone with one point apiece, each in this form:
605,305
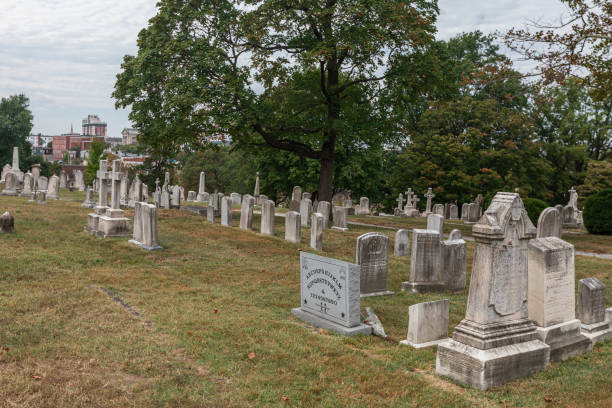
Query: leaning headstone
316,231
435,222
305,211
324,208
10,185
191,196
202,189
293,227
340,215
28,185
226,211
7,223
372,255
53,188
551,301
592,310
89,198
364,206
267,218
424,262
246,212
428,324
330,295
402,243
496,342
453,254
145,227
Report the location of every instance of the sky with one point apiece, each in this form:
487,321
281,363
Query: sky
64,54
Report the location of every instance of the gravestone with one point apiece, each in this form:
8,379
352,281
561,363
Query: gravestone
454,212
293,227
210,213
7,223
306,195
236,198
256,189
32,197
10,184
63,183
305,211
372,255
330,294
294,205
226,211
364,206
400,203
296,195
191,196
246,212
324,208
429,196
424,263
124,192
175,198
28,185
428,324
340,216
435,222
89,198
42,197
453,255
93,219
145,227
135,193
592,310
165,197
182,192
496,342
53,188
439,209
5,170
473,213
267,218
551,301
79,180
261,199
111,221
316,231
465,211
202,189
43,183
402,243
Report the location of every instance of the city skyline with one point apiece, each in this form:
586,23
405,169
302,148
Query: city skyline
66,58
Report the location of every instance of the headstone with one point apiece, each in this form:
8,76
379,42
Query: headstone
465,211
573,199
435,222
400,203
28,185
402,243
246,212
145,227
124,194
424,262
316,231
191,196
305,211
267,218
549,224
15,166
330,295
592,310
63,182
226,211
296,195
5,170
428,324
364,206
429,196
473,213
10,184
306,195
42,197
293,227
496,342
454,212
372,255
43,183
79,180
324,208
453,262
261,199
53,188
340,215
183,196
210,212
439,209
89,198
202,188
112,222
7,223
176,197
165,198
236,198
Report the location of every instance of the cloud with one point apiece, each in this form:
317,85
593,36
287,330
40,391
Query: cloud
64,54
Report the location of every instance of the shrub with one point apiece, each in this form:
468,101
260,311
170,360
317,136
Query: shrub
534,207
597,215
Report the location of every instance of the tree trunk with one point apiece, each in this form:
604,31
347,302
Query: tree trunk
326,176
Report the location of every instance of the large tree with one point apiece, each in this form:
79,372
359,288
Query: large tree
276,73
15,126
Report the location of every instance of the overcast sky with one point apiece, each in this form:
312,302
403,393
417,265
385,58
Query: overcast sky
64,54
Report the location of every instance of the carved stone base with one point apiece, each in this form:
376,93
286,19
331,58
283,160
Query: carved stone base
423,287
565,340
113,227
488,336
326,324
598,331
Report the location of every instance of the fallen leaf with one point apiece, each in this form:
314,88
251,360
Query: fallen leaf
37,377
251,355
547,399
216,311
284,398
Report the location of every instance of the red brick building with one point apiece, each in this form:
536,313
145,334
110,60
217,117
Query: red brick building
64,143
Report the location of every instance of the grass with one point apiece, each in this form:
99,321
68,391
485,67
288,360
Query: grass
209,299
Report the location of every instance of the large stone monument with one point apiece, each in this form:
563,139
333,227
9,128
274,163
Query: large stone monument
109,221
145,226
592,310
330,295
496,342
410,209
372,255
428,324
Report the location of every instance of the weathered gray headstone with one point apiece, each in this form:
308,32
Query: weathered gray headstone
305,211
210,213
89,198
549,224
10,185
473,213
28,185
175,199
42,197
454,212
226,211
236,198
324,208
402,243
293,227
439,209
465,211
372,255
592,310
424,262
340,215
267,218
246,212
364,206
202,189
453,262
43,183
191,196
435,222
316,231
111,220
330,295
53,188
428,324
294,205
306,195
7,223
296,195
145,227
496,342
63,180
429,196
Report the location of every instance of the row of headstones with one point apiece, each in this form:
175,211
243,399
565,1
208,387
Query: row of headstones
12,186
521,310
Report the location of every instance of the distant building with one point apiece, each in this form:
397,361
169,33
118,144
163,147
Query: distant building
114,141
68,142
133,161
93,126
130,136
39,140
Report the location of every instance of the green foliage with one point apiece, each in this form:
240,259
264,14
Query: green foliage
15,126
534,208
49,169
598,177
93,162
133,149
597,216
